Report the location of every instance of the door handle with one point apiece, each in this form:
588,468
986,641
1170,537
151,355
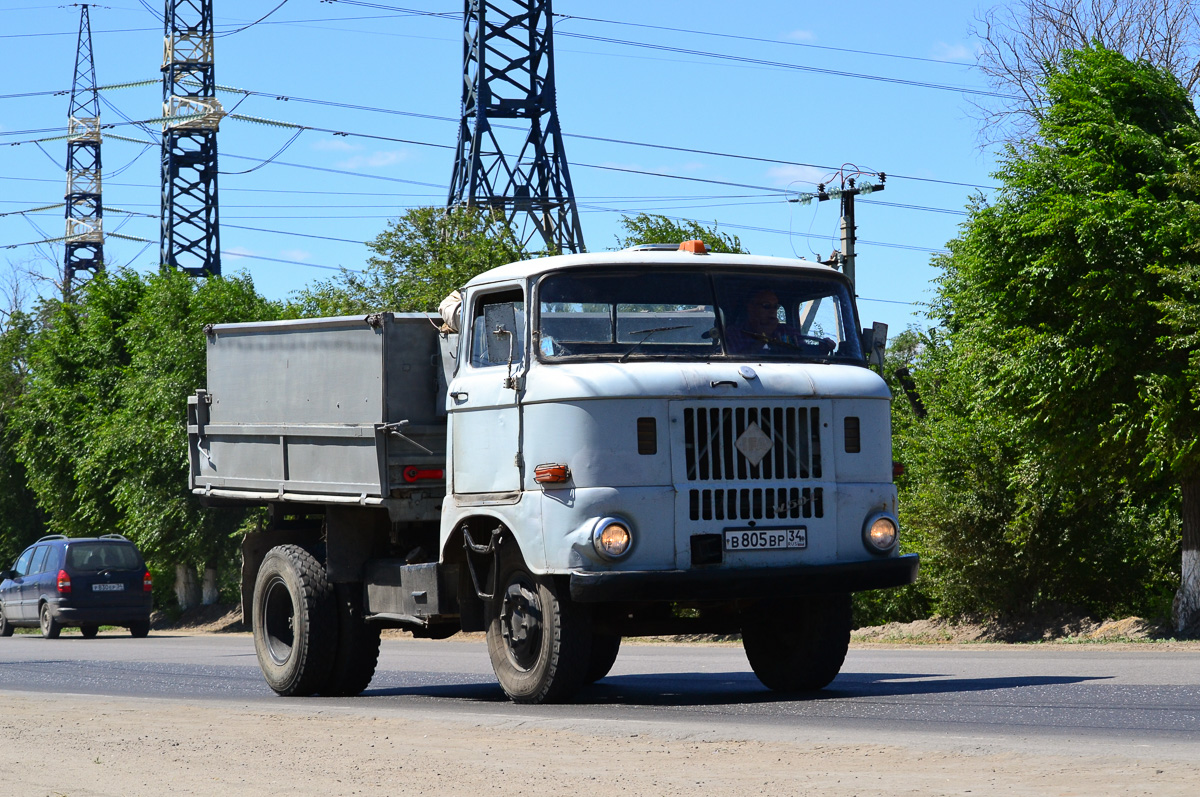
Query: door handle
460,395
726,382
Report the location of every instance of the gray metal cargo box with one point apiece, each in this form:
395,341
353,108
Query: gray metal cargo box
331,410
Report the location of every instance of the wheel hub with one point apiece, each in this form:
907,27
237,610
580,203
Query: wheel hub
279,621
521,621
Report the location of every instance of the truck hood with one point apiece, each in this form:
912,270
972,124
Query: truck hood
576,381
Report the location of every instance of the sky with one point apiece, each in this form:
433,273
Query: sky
711,111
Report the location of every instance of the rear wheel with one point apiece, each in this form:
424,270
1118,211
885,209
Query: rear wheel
89,630
50,626
357,645
140,629
800,645
538,640
294,621
6,628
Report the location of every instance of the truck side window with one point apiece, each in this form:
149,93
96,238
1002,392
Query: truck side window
492,342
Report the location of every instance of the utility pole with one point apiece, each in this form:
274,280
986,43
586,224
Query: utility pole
846,257
190,232
84,241
849,229
508,75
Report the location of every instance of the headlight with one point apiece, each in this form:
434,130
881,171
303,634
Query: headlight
612,538
879,533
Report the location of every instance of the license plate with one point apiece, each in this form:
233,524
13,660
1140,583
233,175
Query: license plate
108,588
765,539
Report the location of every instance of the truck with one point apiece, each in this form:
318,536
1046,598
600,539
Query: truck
655,441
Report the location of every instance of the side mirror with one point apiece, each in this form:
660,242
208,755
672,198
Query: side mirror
5,575
874,343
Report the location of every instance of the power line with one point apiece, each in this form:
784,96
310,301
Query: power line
715,55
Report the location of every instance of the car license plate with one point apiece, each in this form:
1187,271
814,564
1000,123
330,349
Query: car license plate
108,588
765,539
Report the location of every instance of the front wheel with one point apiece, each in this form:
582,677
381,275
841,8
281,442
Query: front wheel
538,640
294,621
50,626
605,648
798,646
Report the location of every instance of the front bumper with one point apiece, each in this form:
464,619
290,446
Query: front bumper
705,584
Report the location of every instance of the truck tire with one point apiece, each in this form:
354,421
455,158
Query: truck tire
605,648
538,640
798,647
50,626
357,645
294,621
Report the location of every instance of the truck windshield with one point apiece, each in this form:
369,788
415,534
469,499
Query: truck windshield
765,314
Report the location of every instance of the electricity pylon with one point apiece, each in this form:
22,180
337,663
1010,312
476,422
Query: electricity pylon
190,230
85,214
518,169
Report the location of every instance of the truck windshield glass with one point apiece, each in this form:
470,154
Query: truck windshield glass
696,314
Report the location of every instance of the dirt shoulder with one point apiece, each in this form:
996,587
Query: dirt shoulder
76,746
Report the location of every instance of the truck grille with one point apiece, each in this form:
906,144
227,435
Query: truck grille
757,503
711,435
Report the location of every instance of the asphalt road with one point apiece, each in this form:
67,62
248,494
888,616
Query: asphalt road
1043,698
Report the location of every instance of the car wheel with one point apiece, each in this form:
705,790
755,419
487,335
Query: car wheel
539,641
6,628
605,648
50,626
357,645
89,630
140,629
294,622
798,646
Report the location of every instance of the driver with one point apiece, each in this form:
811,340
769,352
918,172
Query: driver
760,329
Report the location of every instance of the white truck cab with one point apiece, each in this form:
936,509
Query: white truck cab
638,442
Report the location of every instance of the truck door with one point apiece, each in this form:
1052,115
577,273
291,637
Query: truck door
485,423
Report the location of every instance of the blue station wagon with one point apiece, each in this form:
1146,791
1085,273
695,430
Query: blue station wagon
82,582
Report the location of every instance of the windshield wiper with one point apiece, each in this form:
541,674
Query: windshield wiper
646,333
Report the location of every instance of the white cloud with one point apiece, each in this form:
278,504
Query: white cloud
953,52
786,175
376,160
801,36
335,145
295,254
237,252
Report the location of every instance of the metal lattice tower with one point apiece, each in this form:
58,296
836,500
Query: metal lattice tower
85,227
508,67
192,114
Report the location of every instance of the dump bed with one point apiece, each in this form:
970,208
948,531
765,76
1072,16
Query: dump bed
332,410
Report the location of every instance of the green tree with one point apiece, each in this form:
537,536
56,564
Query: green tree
103,419
1067,391
648,228
20,520
419,259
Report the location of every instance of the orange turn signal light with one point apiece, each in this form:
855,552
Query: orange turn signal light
552,473
696,247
